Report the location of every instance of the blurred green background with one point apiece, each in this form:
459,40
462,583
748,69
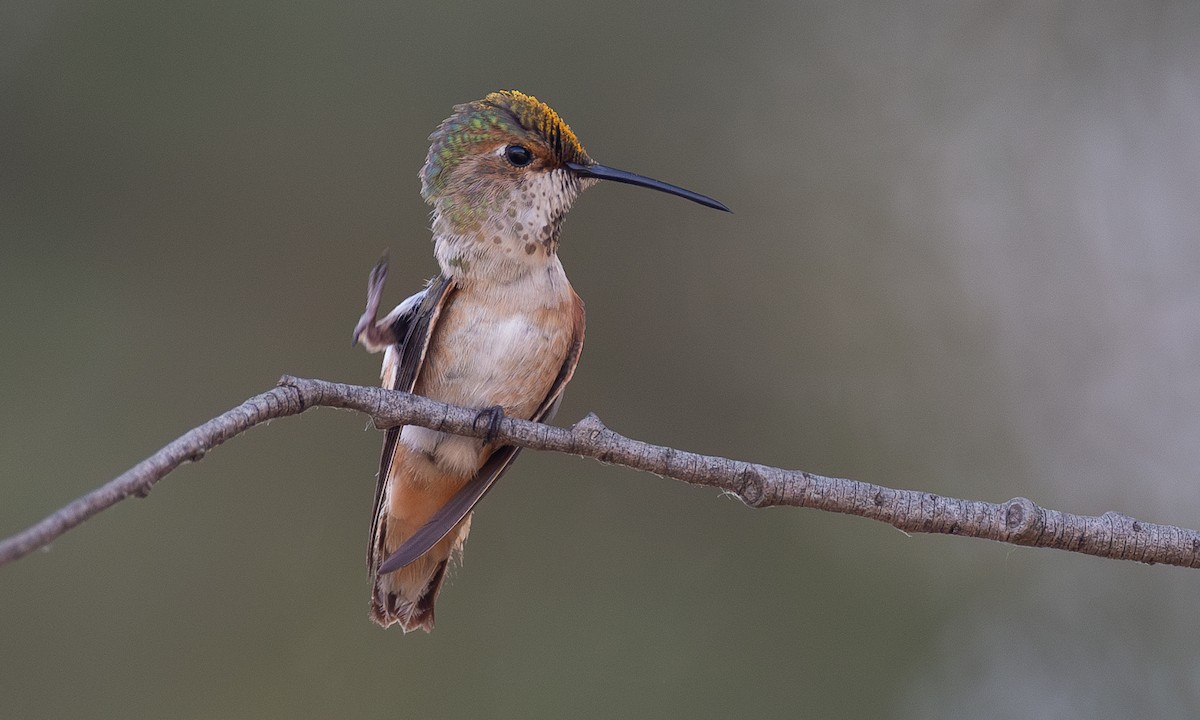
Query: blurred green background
965,259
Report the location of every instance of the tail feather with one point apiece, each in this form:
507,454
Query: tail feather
388,607
407,596
414,489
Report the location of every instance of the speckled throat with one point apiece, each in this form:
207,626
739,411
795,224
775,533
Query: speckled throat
504,238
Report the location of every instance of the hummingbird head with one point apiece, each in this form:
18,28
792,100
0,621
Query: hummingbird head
504,170
500,162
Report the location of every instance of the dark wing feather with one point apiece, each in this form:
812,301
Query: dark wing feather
457,508
415,327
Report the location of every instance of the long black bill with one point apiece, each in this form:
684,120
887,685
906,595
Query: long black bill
606,173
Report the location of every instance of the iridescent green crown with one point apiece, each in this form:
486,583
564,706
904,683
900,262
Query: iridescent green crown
505,112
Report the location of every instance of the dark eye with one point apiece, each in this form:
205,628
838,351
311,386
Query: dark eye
518,155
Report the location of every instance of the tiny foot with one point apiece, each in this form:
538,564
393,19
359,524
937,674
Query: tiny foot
366,322
492,416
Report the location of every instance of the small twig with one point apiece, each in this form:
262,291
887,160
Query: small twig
1018,521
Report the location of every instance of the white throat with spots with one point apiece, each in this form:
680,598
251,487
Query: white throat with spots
515,239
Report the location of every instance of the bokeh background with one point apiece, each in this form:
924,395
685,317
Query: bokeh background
965,258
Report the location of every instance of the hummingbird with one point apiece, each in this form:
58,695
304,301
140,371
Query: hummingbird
499,330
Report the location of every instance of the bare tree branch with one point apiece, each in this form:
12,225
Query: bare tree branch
1018,521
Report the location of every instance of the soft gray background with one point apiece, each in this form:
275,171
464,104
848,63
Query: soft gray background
965,258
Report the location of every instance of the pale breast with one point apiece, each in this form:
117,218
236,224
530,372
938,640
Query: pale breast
481,355
485,353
